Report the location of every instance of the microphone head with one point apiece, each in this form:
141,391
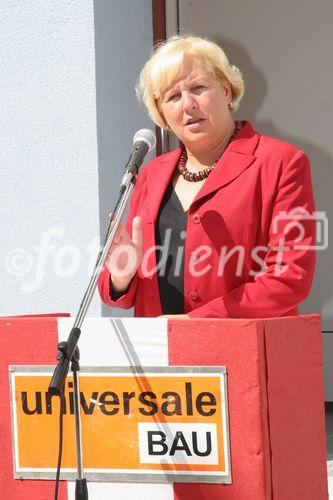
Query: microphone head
146,135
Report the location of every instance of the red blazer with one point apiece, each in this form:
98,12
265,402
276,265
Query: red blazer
238,221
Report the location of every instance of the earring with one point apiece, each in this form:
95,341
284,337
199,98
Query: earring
230,105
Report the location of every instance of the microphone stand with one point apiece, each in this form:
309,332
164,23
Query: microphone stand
68,350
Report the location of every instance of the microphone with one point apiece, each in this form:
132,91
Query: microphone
144,140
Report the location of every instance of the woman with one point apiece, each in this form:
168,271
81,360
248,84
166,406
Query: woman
222,226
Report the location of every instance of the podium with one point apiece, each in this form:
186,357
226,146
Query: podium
275,398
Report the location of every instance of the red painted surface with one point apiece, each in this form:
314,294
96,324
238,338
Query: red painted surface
24,341
275,386
296,408
276,411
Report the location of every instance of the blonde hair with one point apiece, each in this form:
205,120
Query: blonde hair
165,66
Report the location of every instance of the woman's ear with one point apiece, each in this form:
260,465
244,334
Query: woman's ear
226,85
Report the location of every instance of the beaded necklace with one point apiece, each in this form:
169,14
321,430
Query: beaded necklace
202,174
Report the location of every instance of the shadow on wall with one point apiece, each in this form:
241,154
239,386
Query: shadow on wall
123,42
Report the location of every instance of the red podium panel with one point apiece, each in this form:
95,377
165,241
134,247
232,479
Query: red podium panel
275,387
276,410
27,340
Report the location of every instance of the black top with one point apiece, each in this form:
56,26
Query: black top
170,240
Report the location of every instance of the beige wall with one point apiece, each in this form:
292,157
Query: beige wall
285,51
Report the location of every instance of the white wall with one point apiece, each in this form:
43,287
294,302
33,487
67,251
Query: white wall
48,153
68,115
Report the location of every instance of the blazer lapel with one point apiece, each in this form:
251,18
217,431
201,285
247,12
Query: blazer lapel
158,181
237,157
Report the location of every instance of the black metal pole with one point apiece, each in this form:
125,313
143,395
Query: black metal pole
144,141
68,350
81,490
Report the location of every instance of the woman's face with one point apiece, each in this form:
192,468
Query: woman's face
195,107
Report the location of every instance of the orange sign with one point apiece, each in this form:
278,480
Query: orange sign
163,420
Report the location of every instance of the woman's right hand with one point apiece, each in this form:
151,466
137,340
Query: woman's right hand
125,256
